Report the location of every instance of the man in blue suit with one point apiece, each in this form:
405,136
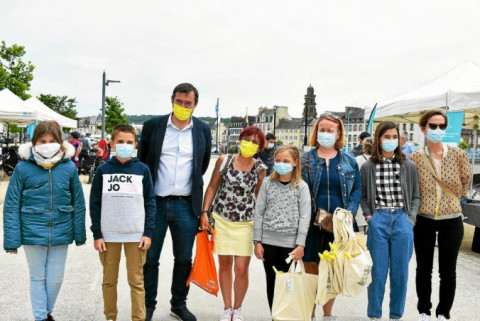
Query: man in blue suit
176,147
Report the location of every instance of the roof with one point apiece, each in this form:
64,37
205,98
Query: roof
289,124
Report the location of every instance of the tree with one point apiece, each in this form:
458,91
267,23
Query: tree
61,104
114,113
15,74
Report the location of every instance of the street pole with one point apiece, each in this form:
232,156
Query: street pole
105,82
305,137
274,118
218,124
348,125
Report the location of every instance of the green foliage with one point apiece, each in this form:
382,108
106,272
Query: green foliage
13,129
61,104
138,119
114,113
15,74
463,145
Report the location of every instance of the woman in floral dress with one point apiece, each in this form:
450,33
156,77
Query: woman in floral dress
232,190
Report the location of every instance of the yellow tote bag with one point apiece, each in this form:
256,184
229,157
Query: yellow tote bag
294,295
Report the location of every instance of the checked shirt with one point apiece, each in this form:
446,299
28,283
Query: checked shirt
387,179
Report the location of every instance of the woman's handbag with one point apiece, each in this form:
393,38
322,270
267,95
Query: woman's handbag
294,295
204,273
323,219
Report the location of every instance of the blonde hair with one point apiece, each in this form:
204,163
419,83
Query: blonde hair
297,170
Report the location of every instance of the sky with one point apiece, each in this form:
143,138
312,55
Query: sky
246,53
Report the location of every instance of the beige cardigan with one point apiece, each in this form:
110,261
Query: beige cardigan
455,173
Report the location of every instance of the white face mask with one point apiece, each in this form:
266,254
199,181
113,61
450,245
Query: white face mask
47,150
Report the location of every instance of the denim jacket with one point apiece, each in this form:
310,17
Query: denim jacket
349,177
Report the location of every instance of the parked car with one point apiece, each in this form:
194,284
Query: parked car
4,140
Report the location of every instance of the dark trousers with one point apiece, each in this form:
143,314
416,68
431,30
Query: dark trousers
450,235
274,256
177,215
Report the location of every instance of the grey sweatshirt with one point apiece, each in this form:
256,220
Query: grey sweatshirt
282,214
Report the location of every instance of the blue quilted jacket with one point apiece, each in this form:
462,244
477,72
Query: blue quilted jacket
43,207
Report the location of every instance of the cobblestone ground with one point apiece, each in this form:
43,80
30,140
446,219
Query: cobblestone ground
81,298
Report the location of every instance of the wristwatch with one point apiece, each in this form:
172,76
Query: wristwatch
256,242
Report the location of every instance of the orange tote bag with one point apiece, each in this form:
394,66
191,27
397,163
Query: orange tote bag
204,272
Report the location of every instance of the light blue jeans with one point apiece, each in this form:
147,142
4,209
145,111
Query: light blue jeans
390,242
47,267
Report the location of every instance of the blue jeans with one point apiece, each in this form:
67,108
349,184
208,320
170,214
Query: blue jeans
390,242
176,214
47,267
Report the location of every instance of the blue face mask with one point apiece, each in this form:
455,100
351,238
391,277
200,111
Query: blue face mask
326,140
389,145
283,168
271,145
435,135
124,150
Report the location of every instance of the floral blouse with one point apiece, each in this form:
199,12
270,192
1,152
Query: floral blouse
235,199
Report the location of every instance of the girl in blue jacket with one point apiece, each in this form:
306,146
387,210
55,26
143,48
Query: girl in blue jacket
44,211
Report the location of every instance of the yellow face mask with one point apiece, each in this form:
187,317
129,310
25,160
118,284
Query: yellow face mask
248,149
182,113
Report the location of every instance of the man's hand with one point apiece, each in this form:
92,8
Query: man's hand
99,245
145,243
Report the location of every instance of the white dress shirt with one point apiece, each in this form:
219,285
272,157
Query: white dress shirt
174,176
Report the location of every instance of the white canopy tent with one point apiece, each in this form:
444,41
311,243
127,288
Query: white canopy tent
46,113
14,110
457,89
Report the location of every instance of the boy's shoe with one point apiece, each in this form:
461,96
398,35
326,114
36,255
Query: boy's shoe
182,314
237,315
441,318
226,315
424,317
330,318
149,315
50,318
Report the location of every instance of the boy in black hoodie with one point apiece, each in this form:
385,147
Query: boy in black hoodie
122,209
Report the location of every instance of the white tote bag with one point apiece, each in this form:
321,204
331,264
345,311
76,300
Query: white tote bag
294,295
357,270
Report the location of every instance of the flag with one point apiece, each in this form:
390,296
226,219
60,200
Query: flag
370,120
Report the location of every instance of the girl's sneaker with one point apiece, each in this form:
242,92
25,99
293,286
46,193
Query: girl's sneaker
226,315
441,318
237,315
424,317
330,318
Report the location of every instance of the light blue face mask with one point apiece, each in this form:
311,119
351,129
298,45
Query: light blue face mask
435,135
283,168
389,145
326,140
271,145
124,150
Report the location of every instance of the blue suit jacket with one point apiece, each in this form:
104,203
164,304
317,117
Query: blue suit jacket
150,150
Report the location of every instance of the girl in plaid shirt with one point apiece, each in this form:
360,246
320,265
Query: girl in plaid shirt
390,200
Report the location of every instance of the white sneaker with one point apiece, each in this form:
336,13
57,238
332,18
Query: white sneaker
395,319
424,317
441,318
330,318
373,318
226,315
237,315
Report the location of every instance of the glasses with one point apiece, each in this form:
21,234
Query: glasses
435,126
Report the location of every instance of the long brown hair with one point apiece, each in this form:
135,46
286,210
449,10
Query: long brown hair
377,144
340,142
48,127
297,171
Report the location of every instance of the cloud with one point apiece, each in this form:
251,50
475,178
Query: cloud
247,53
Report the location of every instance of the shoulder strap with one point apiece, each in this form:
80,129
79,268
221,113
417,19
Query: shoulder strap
225,164
432,170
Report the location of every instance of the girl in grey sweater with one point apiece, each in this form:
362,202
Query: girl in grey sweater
282,215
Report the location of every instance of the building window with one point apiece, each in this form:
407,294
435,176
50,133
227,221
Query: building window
354,128
404,126
411,126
